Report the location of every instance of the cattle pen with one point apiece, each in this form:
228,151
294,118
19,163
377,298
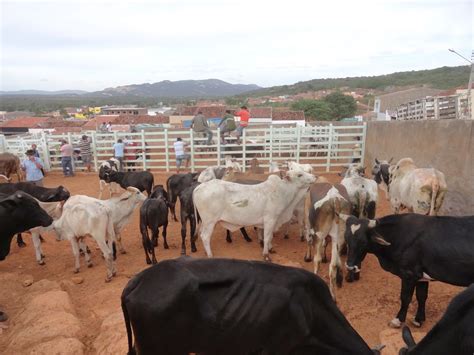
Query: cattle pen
326,148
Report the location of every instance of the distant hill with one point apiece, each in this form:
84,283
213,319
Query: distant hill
439,78
179,89
43,92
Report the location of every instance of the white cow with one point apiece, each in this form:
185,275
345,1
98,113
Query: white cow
363,192
54,210
267,205
121,208
274,167
307,168
80,220
231,163
211,173
419,190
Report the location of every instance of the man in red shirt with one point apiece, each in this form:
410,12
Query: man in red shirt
244,115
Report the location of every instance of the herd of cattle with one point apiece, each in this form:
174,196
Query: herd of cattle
242,307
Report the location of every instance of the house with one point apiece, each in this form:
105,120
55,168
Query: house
21,125
124,111
288,117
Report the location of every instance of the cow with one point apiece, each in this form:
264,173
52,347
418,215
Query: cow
362,192
119,208
175,184
187,213
419,190
154,214
106,167
42,194
417,249
141,180
267,205
381,174
9,165
323,204
232,163
80,220
18,213
222,306
212,172
453,334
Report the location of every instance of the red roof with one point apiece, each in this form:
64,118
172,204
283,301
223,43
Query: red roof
25,122
136,119
98,120
261,112
288,115
207,111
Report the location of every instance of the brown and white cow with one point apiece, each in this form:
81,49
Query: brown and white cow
324,203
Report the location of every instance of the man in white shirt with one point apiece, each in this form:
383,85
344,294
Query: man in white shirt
179,147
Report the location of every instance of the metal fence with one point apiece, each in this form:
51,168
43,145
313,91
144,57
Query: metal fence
326,148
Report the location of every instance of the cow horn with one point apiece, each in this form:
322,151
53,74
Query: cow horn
390,160
379,240
343,216
377,161
407,337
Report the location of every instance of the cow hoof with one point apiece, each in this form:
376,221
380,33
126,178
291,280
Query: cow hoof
43,256
308,259
76,271
272,251
22,245
166,246
416,323
193,250
148,262
324,260
155,243
357,276
267,258
261,243
3,317
302,239
108,279
349,278
41,262
175,219
89,265
395,323
228,240
248,240
286,236
123,252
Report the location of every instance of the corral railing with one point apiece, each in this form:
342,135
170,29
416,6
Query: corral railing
326,148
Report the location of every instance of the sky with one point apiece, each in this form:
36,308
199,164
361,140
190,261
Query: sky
92,45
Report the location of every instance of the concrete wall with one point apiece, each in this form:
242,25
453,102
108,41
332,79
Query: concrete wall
445,145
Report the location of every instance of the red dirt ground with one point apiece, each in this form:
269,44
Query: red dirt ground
368,304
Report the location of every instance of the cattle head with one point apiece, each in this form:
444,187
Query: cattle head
409,341
353,170
58,194
159,192
134,194
24,213
300,178
381,172
360,237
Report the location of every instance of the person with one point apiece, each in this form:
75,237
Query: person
132,155
33,167
66,158
108,127
179,150
244,115
119,149
103,127
34,148
86,152
226,125
200,125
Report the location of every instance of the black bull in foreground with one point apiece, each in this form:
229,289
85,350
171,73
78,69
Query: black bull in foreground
222,306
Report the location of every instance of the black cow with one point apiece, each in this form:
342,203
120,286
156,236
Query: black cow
381,174
154,214
105,168
142,180
187,213
18,212
177,183
416,248
223,306
44,194
453,334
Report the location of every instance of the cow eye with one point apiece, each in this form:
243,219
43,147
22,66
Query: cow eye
300,175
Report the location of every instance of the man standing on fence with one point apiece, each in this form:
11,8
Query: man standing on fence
226,125
200,125
33,167
66,158
244,115
119,150
179,147
86,152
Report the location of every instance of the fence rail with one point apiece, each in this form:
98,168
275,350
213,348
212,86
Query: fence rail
326,148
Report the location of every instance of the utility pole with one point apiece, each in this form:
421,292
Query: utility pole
471,79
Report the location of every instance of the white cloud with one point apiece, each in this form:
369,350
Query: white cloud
93,44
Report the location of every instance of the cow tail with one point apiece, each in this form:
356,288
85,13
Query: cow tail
111,235
434,193
362,202
195,217
131,348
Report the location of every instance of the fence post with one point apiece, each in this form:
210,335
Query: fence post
362,145
73,162
298,142
244,148
143,149
271,143
44,144
94,150
3,144
328,162
191,137
219,146
167,155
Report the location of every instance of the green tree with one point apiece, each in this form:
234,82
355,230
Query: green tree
316,110
342,105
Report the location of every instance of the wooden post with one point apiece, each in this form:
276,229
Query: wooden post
191,137
143,149
167,153
328,161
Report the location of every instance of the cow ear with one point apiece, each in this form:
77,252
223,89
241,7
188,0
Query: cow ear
379,240
407,337
377,161
390,160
